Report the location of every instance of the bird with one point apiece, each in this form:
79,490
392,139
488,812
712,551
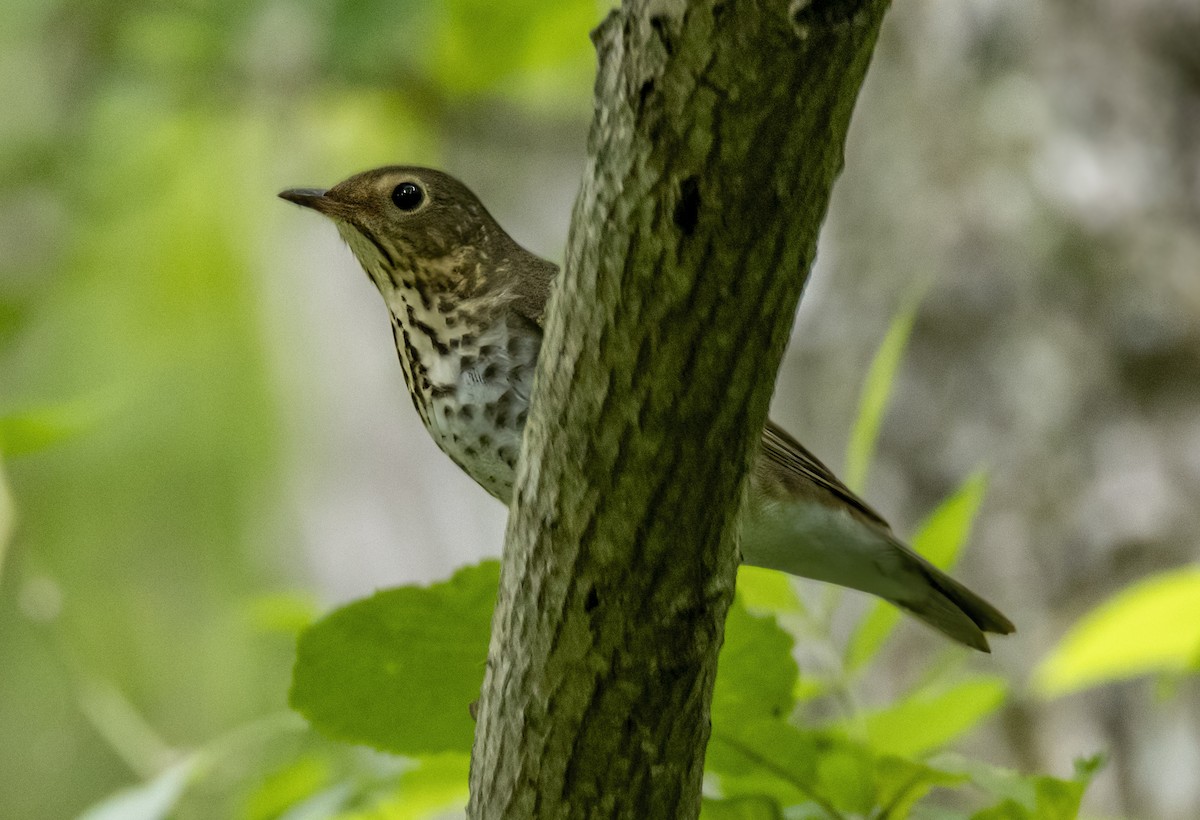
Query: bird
467,307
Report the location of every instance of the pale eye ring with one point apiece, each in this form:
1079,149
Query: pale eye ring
408,196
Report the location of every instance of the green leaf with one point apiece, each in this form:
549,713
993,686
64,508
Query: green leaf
766,757
766,590
398,671
900,784
756,673
1005,784
756,754
436,786
940,539
871,634
152,800
926,720
876,391
288,786
846,776
821,770
1151,626
1004,810
944,533
328,802
1038,797
741,808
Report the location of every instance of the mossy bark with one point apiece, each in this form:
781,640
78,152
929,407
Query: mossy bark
717,135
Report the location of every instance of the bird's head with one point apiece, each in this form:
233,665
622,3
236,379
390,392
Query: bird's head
412,229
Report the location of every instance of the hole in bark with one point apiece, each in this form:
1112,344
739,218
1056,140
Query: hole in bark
592,601
687,209
659,23
824,12
644,94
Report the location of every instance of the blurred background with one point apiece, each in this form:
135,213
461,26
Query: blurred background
206,436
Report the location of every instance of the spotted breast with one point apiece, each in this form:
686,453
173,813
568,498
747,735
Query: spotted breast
470,382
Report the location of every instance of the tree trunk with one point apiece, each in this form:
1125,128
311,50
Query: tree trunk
717,134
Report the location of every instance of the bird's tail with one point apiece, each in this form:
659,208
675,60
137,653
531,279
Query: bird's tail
951,608
841,546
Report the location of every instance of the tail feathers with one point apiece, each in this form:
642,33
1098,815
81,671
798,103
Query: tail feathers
956,611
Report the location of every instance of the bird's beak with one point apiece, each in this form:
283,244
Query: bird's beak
310,198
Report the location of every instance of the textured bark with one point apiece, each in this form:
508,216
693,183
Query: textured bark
717,134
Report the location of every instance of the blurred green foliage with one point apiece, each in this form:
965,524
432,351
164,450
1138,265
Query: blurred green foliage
146,595
398,680
1151,627
876,390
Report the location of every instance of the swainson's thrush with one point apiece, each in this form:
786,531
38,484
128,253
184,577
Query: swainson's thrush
466,305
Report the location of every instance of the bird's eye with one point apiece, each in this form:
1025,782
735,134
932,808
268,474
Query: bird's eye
408,196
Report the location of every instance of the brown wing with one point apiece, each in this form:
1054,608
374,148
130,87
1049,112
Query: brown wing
790,462
532,287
